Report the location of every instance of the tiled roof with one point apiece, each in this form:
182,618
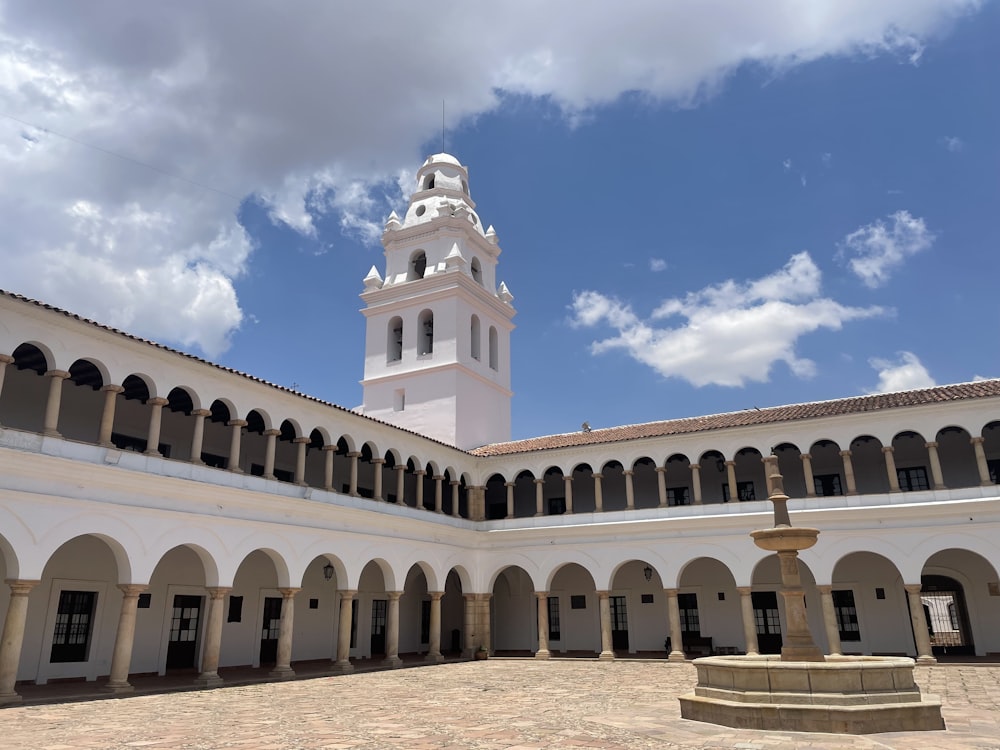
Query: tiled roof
790,413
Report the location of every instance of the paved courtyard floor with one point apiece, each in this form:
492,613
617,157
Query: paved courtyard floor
513,704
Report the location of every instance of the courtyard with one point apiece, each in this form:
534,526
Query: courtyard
485,705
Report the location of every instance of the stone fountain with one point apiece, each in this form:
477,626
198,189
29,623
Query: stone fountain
803,690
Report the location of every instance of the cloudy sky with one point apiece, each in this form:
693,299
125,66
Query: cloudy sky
703,205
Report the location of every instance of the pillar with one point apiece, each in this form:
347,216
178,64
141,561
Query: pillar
749,625
121,657
198,435
343,663
236,426
213,637
604,601
629,490
401,484
377,489
984,468
936,475
51,425
510,498
543,625
13,638
807,472
434,642
328,452
830,620
283,662
419,502
734,493
392,630
568,484
890,468
155,405
470,626
539,497
301,444
921,636
454,498
108,415
674,619
852,487
598,494
271,437
661,485
353,486
696,483
5,359
484,621
438,496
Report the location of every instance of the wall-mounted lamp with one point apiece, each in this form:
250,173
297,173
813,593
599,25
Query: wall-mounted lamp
648,572
328,571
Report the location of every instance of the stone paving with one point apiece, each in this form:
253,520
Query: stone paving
512,704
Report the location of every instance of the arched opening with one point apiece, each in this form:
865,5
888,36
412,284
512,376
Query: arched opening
913,470
452,615
574,613
496,498
176,607
418,266
25,392
958,587
524,495
827,469
394,340
751,483
679,480
870,606
179,406
253,620
957,457
644,485
425,333
80,412
769,605
131,425
714,482
370,619
215,448
494,349
645,608
790,467
709,604
429,182
554,492
613,486
474,337
514,625
476,268
868,463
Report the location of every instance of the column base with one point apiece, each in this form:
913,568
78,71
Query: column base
546,654
607,656
209,679
118,687
342,667
282,673
434,658
392,661
926,661
8,699
676,656
52,433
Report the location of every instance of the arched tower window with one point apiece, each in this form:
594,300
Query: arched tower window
477,271
474,336
418,265
425,332
494,349
394,340
430,183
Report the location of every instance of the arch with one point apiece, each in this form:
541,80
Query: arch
34,356
394,339
425,332
475,335
183,399
137,387
494,343
957,456
199,541
88,372
496,497
417,266
512,607
476,269
911,456
337,570
429,182
868,463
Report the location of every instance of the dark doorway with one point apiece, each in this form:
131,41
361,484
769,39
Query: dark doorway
947,616
182,648
619,624
378,627
767,620
270,627
74,621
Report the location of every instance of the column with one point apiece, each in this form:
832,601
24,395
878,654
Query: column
108,415
807,471
770,468
51,426
236,426
510,498
629,490
484,621
213,637
852,487
696,483
13,638
454,498
353,487
470,626
476,503
155,405
607,650
392,630
283,662
438,497
674,619
921,636
198,435
328,452
890,468
121,658
539,497
377,489
301,444
984,468
434,644
661,485
419,502
343,663
936,475
734,494
400,484
271,437
749,625
830,620
543,625
598,495
5,359
568,484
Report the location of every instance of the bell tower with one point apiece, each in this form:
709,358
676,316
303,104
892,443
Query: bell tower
437,343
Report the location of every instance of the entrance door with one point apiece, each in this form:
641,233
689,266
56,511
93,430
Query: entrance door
947,616
767,620
619,624
182,648
378,627
270,627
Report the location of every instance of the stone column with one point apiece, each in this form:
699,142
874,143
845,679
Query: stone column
734,493
936,475
629,489
598,493
454,498
607,647
807,471
328,453
770,467
401,484
470,626
984,468
476,503
539,497
674,618
283,663
301,444
568,484
661,485
543,625
434,642
377,489
353,486
696,483
830,620
51,426
419,502
484,621
121,658
852,487
922,638
890,468
108,415
438,496
236,426
343,663
198,435
213,637
155,405
271,437
5,359
510,498
392,630
749,625
13,638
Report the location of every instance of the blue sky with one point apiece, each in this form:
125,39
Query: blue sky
701,208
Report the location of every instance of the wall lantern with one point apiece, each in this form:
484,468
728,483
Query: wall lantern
328,571
648,572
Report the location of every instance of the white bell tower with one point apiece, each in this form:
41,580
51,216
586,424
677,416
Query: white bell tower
437,344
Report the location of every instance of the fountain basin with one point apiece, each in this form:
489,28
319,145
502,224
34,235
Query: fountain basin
785,538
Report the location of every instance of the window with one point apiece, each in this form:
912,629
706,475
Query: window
554,633
399,399
418,266
235,609
425,333
578,601
994,467
474,337
494,349
74,620
557,506
425,621
827,484
688,606
678,496
646,598
354,623
138,445
394,340
847,615
953,616
430,183
913,479
144,601
477,271
745,490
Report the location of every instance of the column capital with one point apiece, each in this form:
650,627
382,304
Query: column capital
438,477
538,481
603,594
271,433
731,463
112,389
931,444
420,472
888,449
6,359
454,482
913,588
347,593
663,469
978,440
541,595
218,592
132,590
237,423
509,484
805,456
400,467
20,586
597,475
845,454
628,472
567,477
329,448
435,595
378,461
157,401
57,374
670,592
744,590
354,454
393,595
824,588
288,593
303,439
201,413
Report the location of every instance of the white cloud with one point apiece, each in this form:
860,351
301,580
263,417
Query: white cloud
657,264
903,374
827,159
316,110
787,165
728,333
881,247
953,143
